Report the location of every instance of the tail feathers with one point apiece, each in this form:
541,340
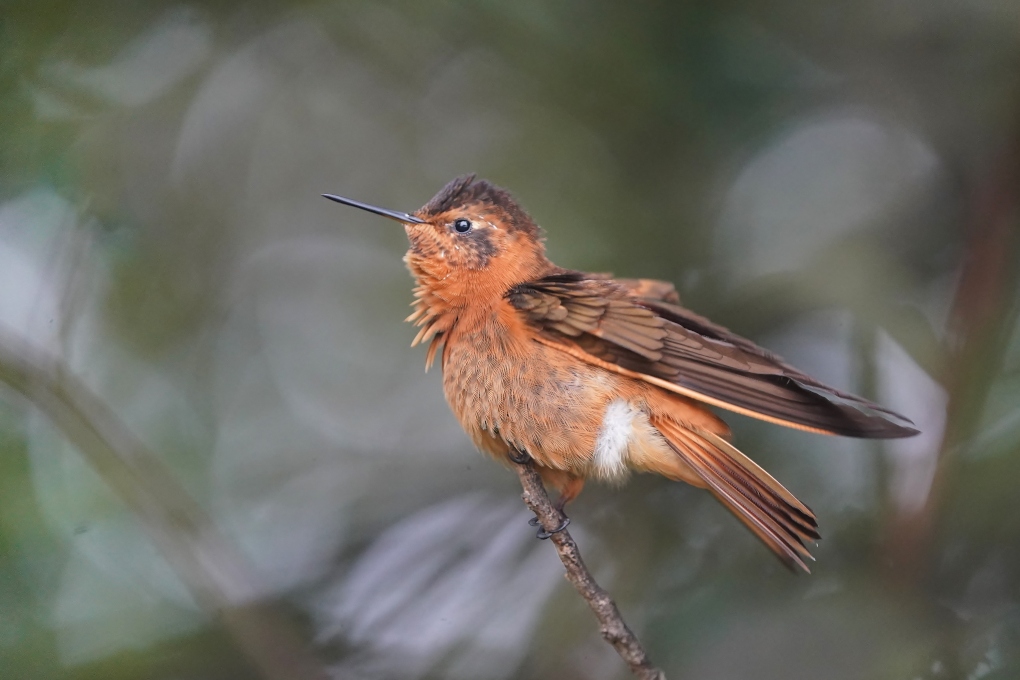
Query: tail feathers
781,521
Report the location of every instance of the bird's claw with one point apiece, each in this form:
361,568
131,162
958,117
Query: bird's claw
543,534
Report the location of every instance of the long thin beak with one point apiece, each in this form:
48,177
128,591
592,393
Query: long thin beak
392,214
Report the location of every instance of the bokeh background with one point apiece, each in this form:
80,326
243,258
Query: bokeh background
220,459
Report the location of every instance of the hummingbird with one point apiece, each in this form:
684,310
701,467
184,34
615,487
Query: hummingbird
592,376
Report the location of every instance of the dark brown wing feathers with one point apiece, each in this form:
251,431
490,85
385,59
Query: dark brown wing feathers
564,307
674,347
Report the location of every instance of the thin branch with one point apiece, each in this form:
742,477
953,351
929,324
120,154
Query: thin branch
612,626
212,569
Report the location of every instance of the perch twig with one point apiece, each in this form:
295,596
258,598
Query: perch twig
612,626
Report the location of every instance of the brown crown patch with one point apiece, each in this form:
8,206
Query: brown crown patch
466,190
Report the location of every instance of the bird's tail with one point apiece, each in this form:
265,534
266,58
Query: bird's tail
781,521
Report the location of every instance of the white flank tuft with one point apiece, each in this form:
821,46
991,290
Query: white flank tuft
611,447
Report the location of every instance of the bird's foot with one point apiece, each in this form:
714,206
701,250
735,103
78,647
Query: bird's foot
519,457
543,534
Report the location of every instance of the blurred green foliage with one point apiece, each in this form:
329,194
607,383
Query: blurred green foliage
838,181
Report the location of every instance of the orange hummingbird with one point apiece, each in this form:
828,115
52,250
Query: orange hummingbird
592,376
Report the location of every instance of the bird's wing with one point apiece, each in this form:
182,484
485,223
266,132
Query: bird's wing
601,322
653,289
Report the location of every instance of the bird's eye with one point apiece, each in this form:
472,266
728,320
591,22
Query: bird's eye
462,225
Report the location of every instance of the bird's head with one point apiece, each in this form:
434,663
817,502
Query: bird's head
471,242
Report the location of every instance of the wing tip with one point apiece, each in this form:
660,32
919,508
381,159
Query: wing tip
885,429
904,431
